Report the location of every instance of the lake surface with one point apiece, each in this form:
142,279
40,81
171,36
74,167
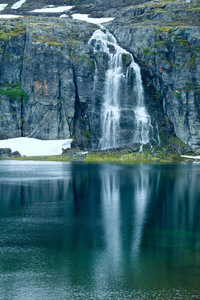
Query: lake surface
99,231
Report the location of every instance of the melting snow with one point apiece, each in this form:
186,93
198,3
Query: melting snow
18,4
51,9
35,147
9,16
63,16
84,17
2,6
192,157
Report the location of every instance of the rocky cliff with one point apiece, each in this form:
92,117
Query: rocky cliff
47,70
164,38
46,78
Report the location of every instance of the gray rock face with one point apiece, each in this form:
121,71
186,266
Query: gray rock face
5,152
50,63
170,62
47,69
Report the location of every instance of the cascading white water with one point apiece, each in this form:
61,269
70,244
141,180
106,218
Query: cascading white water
115,107
143,120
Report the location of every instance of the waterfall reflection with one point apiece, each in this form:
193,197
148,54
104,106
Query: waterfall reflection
110,197
125,193
142,194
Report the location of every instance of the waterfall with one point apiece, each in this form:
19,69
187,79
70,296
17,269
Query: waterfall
118,90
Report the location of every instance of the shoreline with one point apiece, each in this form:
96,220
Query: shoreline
100,157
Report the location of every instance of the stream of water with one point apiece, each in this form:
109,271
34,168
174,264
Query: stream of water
123,95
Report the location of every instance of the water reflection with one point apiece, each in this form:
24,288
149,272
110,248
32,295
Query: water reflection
78,231
143,188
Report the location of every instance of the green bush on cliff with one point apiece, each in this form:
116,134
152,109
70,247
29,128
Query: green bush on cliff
14,92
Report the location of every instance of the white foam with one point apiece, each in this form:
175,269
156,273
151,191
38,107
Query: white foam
84,17
2,6
18,4
9,16
58,9
36,147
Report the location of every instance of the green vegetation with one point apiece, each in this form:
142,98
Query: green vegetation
51,41
128,156
161,29
14,92
176,141
43,158
192,61
147,51
191,87
160,43
197,48
177,94
11,31
146,156
87,133
4,36
158,94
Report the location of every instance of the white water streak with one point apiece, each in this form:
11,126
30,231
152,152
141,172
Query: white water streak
104,41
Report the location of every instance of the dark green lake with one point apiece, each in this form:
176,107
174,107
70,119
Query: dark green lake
99,231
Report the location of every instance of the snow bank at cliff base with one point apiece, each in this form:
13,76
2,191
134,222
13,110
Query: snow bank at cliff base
36,147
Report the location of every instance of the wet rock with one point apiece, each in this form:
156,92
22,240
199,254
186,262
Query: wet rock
5,152
15,154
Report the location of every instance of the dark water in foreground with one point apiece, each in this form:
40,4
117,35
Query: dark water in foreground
82,231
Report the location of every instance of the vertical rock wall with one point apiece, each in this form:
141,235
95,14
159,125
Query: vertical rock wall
50,62
170,62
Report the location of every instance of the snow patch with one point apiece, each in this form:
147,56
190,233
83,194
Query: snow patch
2,6
84,17
9,16
192,157
18,4
63,16
51,9
36,147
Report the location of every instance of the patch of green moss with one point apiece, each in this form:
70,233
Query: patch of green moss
177,94
14,92
197,8
176,141
146,156
46,40
191,87
94,157
160,43
8,55
183,42
4,36
147,51
161,29
158,94
11,31
43,158
87,133
197,48
192,61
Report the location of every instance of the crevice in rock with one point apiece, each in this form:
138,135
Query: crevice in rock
77,121
22,121
60,123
